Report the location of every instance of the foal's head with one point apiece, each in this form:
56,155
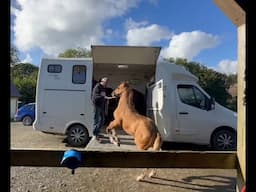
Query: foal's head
120,89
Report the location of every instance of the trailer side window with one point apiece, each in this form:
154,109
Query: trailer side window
191,95
79,74
54,68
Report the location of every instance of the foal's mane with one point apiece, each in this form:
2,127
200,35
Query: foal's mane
130,99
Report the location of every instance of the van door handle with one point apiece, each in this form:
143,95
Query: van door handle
44,112
81,114
183,113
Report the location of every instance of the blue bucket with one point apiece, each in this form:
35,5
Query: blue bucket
71,159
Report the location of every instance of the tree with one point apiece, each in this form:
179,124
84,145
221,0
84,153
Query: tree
77,53
27,89
14,56
23,70
232,79
24,77
232,82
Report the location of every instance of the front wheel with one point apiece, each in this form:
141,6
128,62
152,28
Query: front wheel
27,121
224,140
77,136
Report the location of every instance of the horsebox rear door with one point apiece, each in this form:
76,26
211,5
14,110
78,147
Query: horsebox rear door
125,55
135,64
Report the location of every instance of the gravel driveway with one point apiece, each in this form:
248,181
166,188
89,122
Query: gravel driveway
48,179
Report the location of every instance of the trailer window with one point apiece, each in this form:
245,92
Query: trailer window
54,68
79,74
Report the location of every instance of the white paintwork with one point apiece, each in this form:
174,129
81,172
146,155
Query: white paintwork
60,103
164,106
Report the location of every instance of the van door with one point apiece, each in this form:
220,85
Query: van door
155,100
193,118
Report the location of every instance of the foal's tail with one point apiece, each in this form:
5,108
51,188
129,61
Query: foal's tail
158,142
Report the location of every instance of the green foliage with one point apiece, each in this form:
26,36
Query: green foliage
23,70
232,79
24,77
27,89
76,53
232,103
214,83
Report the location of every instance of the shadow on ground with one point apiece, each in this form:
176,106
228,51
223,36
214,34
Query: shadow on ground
221,183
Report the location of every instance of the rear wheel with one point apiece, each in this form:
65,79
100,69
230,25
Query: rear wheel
77,136
27,121
224,140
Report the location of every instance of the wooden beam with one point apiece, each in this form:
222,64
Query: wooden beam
232,10
243,4
163,159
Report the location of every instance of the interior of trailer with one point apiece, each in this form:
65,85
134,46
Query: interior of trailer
136,65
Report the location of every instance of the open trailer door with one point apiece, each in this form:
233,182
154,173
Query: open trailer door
137,64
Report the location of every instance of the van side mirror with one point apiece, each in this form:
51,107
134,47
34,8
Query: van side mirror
210,104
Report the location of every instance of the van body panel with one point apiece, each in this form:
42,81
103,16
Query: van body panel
60,99
64,99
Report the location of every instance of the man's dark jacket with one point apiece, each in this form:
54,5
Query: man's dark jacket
97,98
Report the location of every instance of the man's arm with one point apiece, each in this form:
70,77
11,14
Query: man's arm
106,97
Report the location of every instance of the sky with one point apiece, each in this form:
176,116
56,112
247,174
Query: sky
196,30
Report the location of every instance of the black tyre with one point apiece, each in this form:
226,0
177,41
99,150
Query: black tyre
224,140
77,136
27,121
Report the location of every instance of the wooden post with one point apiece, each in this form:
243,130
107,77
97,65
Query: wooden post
236,13
241,134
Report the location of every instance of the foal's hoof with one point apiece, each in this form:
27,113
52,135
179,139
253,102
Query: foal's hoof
117,144
140,178
108,131
117,141
114,141
151,174
111,140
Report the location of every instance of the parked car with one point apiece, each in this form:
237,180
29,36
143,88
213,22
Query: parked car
26,114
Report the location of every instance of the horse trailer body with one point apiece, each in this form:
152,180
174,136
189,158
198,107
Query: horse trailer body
181,109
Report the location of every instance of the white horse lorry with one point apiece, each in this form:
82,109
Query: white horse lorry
181,109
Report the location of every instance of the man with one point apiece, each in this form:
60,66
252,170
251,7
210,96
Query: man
99,101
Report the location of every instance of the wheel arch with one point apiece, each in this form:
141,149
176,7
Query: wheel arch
26,116
74,124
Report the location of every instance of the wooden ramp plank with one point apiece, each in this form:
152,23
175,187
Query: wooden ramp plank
128,159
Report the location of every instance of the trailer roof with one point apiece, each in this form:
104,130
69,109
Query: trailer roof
125,54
